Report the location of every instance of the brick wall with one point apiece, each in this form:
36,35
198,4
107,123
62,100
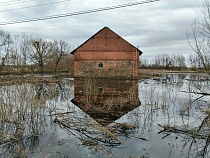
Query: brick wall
106,40
110,69
109,49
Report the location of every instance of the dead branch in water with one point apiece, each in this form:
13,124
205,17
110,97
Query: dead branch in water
201,93
194,133
201,132
61,113
91,133
198,135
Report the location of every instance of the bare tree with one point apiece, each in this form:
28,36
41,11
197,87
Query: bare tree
5,41
25,47
15,56
201,37
194,61
144,63
163,60
180,61
40,52
60,49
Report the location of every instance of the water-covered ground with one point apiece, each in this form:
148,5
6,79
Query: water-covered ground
165,116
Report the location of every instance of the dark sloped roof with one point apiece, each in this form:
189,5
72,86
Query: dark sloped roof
97,33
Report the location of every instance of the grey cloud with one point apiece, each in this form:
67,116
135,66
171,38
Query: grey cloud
180,4
155,27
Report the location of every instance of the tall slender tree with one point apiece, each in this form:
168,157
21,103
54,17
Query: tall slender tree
5,41
201,36
60,49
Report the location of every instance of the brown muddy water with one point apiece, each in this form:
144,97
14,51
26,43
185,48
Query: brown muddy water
162,117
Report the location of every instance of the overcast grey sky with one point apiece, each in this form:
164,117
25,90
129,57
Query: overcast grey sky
158,27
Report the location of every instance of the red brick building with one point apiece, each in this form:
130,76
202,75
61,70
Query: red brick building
106,54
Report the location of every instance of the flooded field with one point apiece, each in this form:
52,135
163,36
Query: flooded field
167,116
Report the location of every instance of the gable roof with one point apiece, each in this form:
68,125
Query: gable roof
140,52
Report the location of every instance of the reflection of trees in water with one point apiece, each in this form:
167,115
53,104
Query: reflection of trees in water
157,101
101,102
194,134
51,91
196,139
182,113
199,85
171,79
21,120
23,112
28,105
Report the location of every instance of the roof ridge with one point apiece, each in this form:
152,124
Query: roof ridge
105,27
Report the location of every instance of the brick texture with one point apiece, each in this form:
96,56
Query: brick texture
110,50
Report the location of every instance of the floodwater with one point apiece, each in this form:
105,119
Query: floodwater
164,117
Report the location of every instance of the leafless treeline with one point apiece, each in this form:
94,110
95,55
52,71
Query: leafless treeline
166,61
174,61
28,54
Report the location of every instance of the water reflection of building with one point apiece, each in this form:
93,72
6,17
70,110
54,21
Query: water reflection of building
106,100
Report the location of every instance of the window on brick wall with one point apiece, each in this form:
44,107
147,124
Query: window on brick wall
100,65
100,89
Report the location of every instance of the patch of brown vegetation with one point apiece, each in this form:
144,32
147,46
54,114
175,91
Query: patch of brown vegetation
147,73
12,80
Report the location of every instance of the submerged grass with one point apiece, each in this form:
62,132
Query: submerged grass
21,116
23,112
24,108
